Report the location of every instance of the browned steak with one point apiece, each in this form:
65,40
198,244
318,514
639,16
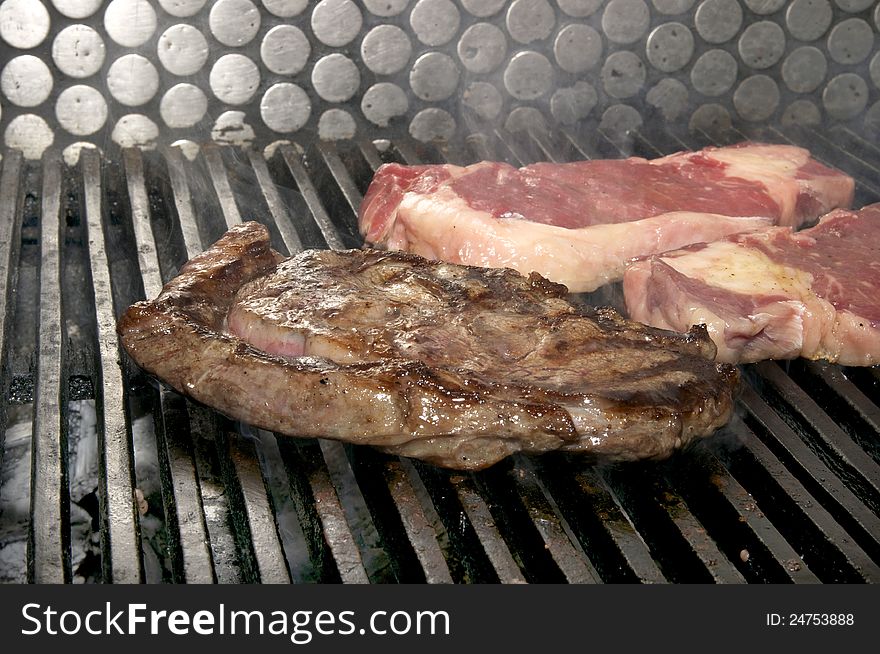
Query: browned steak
456,365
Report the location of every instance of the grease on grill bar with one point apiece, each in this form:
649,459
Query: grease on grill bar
153,487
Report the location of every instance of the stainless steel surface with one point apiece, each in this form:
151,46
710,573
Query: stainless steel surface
153,72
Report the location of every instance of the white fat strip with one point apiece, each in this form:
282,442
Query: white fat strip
743,270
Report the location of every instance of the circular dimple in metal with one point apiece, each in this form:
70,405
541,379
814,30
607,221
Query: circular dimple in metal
81,110
483,8
579,8
851,41
756,98
619,120
525,118
230,128
384,8
762,44
765,7
625,21
23,23
807,20
577,48
718,21
78,51
670,47
528,76
801,112
382,102
71,153
710,118
714,73
434,22
26,81
130,23
877,19
482,48
874,70
386,49
623,74
182,49
234,78
434,76
285,107
132,80
669,97
335,78
183,105
432,124
285,8
135,130
182,8
672,7
530,20
234,22
845,96
336,22
30,134
804,69
76,8
854,6
285,50
484,99
336,125
573,103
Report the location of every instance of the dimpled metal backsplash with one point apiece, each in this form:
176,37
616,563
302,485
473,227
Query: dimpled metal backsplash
148,72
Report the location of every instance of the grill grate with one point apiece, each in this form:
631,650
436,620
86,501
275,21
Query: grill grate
170,491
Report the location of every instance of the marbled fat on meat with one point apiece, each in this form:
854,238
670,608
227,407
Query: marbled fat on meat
772,294
460,366
580,223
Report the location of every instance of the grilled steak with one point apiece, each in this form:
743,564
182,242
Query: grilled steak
580,223
456,365
773,294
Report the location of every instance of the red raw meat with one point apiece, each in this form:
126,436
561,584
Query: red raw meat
772,294
580,223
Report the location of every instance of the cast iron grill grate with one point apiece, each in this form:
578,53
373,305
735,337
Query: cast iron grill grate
105,476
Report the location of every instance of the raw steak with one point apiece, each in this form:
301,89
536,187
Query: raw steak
460,366
580,223
773,294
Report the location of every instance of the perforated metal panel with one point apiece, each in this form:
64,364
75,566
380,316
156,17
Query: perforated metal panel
145,72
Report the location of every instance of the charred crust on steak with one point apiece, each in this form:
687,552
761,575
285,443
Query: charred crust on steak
470,366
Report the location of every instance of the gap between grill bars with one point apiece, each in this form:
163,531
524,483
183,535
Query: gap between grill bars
154,487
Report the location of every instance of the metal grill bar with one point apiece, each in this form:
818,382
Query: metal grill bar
832,438
310,195
182,504
261,542
790,493
276,207
49,554
121,559
10,238
786,444
217,173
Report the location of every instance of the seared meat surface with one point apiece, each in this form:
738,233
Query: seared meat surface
455,365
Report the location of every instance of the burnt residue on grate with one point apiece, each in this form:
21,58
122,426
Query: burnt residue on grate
148,486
